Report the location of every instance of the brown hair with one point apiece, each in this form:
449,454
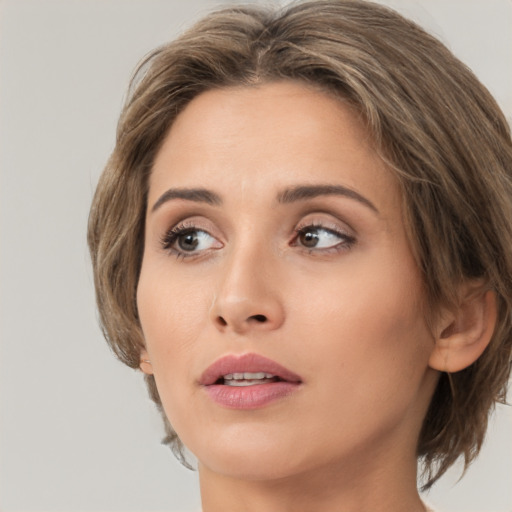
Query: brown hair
434,124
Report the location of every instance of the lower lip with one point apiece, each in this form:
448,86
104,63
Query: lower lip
250,397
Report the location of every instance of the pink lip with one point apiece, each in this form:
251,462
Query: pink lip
250,397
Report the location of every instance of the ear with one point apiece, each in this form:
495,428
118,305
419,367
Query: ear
465,333
145,362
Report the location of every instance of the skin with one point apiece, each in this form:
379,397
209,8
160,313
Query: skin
345,315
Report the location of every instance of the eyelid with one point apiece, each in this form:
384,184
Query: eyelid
188,220
198,223
342,234
326,221
170,236
347,236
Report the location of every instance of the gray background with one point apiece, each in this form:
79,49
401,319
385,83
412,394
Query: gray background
77,431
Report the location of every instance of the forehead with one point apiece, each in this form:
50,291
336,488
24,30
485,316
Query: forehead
262,138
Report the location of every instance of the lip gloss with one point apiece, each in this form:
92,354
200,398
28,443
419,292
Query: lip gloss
250,397
225,383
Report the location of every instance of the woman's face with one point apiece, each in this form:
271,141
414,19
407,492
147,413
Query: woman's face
275,249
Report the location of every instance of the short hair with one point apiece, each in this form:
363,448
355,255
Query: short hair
433,123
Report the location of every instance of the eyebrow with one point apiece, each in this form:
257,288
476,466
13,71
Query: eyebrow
303,192
198,195
289,195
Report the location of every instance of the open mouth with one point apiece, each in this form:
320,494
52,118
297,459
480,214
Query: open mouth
247,379
246,370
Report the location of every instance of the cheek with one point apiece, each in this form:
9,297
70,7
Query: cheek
172,316
167,307
369,326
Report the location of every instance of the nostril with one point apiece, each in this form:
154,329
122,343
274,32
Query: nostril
259,318
222,321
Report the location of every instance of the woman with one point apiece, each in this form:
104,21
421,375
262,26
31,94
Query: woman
303,239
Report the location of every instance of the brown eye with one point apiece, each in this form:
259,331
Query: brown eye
188,241
308,238
318,237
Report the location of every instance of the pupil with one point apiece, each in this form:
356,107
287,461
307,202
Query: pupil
188,242
309,239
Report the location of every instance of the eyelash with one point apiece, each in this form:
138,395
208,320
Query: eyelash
346,241
172,235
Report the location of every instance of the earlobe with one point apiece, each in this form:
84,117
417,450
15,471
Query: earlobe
467,332
145,363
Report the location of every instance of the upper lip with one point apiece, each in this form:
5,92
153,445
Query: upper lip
245,363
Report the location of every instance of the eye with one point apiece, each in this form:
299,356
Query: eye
319,237
188,241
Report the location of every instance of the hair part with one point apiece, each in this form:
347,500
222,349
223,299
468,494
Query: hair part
436,127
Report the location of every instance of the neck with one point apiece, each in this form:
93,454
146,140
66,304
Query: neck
359,488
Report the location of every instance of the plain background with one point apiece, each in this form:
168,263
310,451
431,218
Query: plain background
77,431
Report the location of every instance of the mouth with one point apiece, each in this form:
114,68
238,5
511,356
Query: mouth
246,370
248,381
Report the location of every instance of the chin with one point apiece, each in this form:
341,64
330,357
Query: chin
253,467
248,453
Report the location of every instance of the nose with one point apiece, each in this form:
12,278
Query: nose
247,296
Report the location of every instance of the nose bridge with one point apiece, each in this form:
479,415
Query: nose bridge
247,294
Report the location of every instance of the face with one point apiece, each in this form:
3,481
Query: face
278,296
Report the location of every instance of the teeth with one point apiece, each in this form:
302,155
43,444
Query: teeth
248,376
253,382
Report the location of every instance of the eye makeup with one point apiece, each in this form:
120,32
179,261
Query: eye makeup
190,239
317,237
